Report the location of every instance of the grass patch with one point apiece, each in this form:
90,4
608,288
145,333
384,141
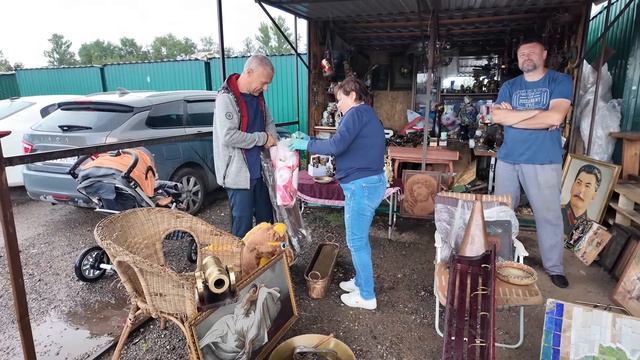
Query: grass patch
335,217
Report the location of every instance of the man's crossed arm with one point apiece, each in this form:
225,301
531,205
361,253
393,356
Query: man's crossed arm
504,114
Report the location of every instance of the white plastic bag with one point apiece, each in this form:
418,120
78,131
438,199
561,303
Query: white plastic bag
285,164
608,114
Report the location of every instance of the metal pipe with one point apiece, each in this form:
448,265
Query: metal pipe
223,67
14,264
295,34
603,41
273,21
433,35
90,150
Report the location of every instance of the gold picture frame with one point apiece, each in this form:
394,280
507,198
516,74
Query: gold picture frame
596,203
266,295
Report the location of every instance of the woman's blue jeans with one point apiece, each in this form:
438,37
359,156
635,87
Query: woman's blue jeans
362,198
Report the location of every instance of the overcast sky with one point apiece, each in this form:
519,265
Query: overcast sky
26,25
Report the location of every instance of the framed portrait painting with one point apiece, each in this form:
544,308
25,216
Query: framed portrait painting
249,326
420,189
586,188
627,292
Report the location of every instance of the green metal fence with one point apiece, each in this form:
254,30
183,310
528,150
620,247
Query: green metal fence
79,80
8,85
158,76
622,38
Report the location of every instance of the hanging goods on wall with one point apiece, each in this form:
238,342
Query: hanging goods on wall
327,68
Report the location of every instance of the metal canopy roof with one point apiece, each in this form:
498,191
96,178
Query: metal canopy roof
483,25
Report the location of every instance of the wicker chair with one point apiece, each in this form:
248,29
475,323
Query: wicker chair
134,241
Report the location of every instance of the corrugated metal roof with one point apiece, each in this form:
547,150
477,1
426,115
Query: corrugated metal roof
383,24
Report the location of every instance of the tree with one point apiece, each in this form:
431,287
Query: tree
170,47
5,65
98,52
248,47
270,41
229,51
60,53
129,50
208,44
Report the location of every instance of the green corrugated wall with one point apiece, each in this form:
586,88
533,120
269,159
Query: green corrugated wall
281,96
8,86
631,96
57,81
623,38
158,76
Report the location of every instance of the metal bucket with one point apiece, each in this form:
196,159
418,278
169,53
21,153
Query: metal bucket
320,270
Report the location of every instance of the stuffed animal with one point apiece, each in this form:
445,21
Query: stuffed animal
262,243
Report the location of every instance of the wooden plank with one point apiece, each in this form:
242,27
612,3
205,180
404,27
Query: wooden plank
630,152
630,158
625,216
630,191
415,154
629,135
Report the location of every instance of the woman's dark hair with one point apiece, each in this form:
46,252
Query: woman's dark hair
354,84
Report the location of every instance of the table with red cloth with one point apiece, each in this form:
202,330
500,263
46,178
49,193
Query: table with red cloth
331,194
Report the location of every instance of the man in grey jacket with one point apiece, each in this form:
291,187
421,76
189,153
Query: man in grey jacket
242,128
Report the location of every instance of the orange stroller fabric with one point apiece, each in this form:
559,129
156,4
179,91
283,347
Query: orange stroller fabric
144,173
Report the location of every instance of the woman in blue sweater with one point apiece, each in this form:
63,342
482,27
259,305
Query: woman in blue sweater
358,147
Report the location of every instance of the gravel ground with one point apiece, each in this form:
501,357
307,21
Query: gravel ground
62,307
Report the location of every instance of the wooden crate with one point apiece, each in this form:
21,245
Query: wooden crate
627,208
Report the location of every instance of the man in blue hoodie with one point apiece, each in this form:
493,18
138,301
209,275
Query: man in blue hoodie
242,128
531,107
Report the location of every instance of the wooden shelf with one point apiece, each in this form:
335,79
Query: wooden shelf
627,213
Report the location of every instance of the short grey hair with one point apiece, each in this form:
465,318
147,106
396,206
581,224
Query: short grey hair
258,61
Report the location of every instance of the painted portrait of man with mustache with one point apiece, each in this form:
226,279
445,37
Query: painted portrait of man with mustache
583,191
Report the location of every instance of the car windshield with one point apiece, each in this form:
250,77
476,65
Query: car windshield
77,120
12,106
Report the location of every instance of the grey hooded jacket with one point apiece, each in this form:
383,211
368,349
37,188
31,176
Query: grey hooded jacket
229,141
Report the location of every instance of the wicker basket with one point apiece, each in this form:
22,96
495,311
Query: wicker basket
320,270
516,273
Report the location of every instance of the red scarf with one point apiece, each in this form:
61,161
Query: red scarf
232,83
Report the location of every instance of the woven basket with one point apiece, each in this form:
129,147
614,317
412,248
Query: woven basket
516,273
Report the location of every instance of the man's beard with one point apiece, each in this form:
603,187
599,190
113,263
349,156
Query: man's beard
529,66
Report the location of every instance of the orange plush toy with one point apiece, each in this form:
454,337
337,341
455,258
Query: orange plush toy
262,243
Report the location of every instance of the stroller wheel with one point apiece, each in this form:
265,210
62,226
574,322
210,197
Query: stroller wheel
192,254
87,266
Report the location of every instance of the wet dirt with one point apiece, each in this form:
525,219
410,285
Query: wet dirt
401,328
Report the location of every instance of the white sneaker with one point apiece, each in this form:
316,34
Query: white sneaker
349,286
353,299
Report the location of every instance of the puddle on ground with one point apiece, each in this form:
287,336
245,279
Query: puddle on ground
81,332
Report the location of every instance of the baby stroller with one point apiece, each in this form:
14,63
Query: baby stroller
118,181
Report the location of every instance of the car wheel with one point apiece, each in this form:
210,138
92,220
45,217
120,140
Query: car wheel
193,188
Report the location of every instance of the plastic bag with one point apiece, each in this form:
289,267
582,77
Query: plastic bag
285,162
608,114
290,216
607,120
